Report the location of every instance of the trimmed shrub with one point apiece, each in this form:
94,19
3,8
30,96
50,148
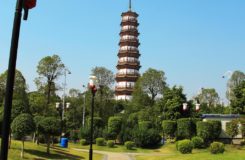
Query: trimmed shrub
147,138
205,131
232,128
110,143
100,141
129,145
216,128
184,128
83,142
217,147
169,128
197,142
185,146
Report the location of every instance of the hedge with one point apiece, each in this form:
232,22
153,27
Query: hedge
197,142
184,128
216,128
217,147
169,128
205,131
184,146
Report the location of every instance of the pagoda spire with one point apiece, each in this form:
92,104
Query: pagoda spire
130,5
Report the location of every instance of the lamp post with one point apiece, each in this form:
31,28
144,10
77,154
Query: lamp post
61,109
20,5
93,88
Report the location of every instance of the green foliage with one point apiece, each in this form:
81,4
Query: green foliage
145,125
232,128
153,82
37,103
169,128
238,101
217,147
22,126
129,145
171,103
184,128
100,141
147,138
83,142
205,131
216,128
197,142
110,143
208,96
50,126
85,133
185,146
114,125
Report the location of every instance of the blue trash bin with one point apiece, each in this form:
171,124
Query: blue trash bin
64,142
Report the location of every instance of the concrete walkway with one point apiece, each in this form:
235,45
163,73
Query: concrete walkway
121,156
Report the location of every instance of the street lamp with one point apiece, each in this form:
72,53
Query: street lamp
20,5
61,109
93,88
185,106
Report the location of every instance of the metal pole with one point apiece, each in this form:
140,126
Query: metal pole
10,80
91,129
63,104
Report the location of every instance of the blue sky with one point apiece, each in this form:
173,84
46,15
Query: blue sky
193,42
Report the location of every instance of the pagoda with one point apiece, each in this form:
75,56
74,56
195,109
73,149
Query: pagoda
128,64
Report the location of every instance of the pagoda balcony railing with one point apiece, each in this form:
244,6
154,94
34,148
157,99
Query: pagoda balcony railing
129,49
128,61
124,87
129,39
127,74
129,20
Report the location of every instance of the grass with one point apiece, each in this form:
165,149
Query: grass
116,148
35,152
231,153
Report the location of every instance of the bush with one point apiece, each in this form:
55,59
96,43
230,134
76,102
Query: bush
217,147
129,145
147,138
110,143
205,131
100,141
197,142
232,128
184,146
216,128
83,142
184,128
169,128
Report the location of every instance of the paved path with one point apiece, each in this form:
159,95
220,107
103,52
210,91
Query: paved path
121,156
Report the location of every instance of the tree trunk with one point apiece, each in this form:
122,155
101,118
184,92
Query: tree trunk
22,149
48,144
48,95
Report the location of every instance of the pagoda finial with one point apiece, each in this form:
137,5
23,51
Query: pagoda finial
130,5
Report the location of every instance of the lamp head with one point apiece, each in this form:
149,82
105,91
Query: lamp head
185,106
57,105
68,105
197,107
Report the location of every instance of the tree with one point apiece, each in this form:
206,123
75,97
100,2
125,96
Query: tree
238,101
74,92
37,103
232,129
49,68
208,96
153,82
114,126
105,77
49,126
171,103
22,126
236,79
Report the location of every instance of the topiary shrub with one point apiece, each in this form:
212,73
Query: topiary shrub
217,147
110,143
197,142
216,128
184,128
83,142
205,131
129,145
100,141
169,128
185,146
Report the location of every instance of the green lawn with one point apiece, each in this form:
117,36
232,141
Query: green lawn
231,153
117,148
35,152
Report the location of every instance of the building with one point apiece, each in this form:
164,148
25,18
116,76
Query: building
128,64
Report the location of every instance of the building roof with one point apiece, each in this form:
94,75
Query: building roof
220,116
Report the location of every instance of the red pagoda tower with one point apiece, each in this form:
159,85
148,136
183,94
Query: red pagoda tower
128,64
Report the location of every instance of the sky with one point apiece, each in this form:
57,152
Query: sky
193,42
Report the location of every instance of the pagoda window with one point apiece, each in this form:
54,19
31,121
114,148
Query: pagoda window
128,27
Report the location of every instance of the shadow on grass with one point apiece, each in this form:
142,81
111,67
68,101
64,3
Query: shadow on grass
57,155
